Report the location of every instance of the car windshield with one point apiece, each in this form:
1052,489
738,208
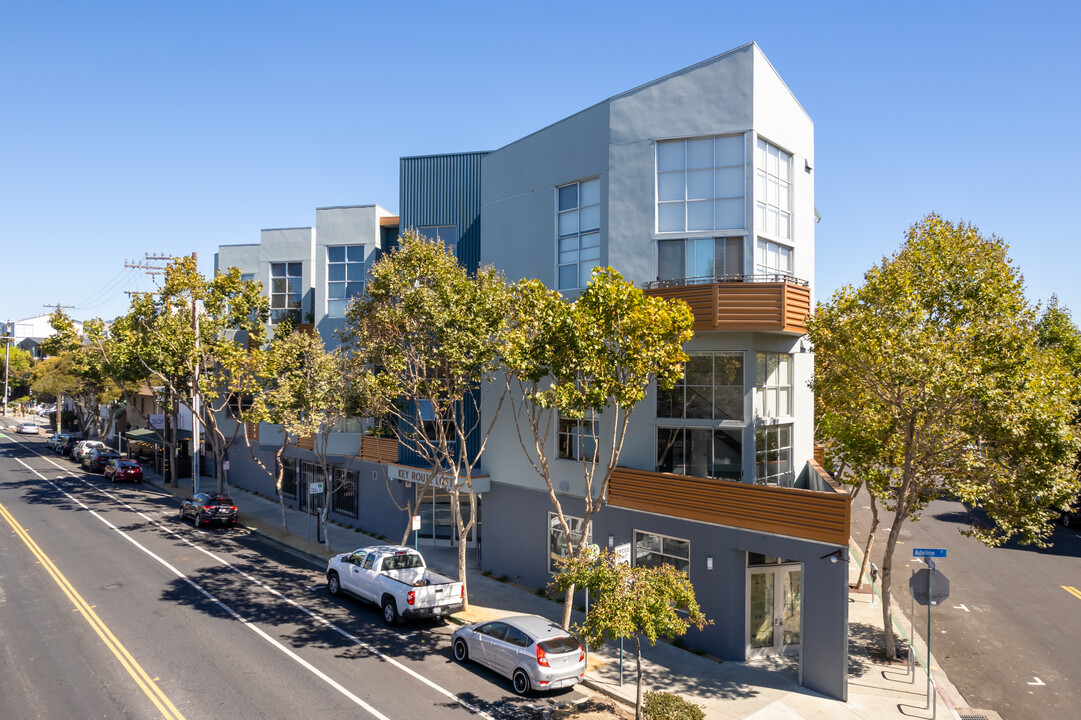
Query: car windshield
127,464
220,501
558,645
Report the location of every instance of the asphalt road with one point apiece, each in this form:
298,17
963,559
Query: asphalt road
111,607
1009,635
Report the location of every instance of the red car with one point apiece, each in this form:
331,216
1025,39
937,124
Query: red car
121,469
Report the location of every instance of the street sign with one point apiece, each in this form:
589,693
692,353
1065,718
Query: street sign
928,552
416,522
315,488
623,554
928,587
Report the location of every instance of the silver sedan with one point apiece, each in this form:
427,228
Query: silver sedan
534,652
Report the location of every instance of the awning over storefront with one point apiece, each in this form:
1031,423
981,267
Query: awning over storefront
146,435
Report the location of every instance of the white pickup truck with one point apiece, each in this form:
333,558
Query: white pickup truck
396,579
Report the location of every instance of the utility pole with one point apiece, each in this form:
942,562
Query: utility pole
59,396
169,429
8,332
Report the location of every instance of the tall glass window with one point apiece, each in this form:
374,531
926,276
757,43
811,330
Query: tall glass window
773,190
579,223
773,455
773,385
345,277
700,452
703,259
772,258
446,234
559,545
577,439
653,550
285,292
700,184
711,389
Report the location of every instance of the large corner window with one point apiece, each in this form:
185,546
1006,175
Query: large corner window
559,544
700,184
653,550
773,455
700,259
772,259
345,277
773,385
446,234
579,222
773,190
700,452
577,439
711,389
285,292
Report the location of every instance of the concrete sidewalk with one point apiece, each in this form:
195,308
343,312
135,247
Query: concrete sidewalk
765,689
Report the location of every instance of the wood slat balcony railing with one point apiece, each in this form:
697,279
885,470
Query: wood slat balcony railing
745,303
379,449
806,514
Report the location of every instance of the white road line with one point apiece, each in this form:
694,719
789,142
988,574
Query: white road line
314,616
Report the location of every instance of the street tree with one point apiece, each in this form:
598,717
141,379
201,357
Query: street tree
426,336
18,363
932,382
631,602
588,363
305,393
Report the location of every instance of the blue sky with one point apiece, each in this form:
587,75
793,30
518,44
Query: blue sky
136,127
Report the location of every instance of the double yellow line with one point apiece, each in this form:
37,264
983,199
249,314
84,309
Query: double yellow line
144,681
1072,590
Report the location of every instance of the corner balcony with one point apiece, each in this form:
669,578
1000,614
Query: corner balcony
749,303
821,514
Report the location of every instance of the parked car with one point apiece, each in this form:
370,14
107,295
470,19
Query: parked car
82,447
534,652
50,442
123,469
95,459
209,508
27,429
395,578
67,445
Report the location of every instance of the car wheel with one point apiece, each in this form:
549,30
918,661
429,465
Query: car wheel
520,681
183,517
198,519
390,612
461,650
334,585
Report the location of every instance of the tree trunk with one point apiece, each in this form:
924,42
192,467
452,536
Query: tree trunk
279,474
887,581
870,542
638,678
568,606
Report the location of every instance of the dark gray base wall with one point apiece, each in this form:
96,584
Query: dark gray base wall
377,514
515,544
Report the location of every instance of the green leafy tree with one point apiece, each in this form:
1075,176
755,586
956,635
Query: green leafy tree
306,395
430,333
631,602
93,388
17,367
580,359
932,381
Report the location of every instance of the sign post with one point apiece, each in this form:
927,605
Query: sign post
623,557
929,587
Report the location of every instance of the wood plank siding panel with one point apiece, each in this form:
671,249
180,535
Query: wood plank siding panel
379,449
821,516
746,306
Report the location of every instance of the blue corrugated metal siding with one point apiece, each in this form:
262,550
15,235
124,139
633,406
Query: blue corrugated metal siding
444,190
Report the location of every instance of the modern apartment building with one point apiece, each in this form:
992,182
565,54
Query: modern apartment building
700,186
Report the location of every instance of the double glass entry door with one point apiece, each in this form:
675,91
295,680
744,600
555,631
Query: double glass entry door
437,520
773,605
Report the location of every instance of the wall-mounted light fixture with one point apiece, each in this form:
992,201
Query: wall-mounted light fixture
709,562
835,557
611,541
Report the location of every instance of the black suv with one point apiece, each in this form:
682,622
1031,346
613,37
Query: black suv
98,458
209,508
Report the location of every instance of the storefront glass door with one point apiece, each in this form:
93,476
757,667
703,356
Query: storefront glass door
774,600
437,520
